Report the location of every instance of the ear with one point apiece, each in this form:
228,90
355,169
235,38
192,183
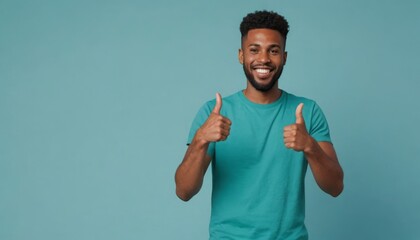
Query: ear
241,56
284,58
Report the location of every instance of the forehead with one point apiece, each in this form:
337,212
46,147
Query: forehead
263,36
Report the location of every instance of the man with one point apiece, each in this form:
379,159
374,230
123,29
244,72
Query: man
259,141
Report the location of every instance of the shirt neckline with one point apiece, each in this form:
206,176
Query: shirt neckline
262,105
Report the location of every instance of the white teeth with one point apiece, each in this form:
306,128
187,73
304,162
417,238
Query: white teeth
263,71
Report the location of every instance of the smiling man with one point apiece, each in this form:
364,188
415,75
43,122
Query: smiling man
259,141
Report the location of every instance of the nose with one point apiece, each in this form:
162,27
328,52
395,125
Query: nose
264,57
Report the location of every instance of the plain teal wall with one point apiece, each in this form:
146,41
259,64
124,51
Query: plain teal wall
97,97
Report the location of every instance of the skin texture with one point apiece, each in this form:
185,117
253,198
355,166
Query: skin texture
261,49
189,175
321,156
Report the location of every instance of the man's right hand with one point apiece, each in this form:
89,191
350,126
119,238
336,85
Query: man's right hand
189,175
217,127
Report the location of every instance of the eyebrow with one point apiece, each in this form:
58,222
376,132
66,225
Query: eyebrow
270,46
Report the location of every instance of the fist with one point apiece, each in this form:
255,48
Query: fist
295,136
217,127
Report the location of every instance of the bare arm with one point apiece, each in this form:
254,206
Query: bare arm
321,156
190,173
325,167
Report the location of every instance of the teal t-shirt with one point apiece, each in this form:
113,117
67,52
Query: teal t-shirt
258,184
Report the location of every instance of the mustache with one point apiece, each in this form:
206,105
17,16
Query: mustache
269,65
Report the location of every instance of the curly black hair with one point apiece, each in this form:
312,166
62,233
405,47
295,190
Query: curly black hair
264,19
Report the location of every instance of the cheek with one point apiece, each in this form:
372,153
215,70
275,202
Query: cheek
248,60
279,61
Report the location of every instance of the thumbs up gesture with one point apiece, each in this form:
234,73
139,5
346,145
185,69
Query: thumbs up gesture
217,127
295,136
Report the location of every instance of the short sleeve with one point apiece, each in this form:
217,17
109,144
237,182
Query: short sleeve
319,129
198,121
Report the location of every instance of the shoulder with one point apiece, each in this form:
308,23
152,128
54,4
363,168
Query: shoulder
232,98
311,110
294,100
226,101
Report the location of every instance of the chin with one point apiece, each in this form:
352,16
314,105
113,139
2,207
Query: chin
263,87
265,84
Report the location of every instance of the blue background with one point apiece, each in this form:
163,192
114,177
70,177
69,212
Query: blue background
97,97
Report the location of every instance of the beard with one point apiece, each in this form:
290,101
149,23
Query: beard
262,87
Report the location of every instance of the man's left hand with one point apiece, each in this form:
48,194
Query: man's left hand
295,136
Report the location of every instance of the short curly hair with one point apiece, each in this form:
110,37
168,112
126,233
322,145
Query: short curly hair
264,19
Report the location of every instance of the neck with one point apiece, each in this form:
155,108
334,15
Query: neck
259,97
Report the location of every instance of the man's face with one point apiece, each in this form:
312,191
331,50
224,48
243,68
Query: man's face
263,57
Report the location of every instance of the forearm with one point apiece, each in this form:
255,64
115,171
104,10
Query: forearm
325,167
190,173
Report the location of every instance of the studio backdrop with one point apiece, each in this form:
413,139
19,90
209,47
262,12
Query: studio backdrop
97,98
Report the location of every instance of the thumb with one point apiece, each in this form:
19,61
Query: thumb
299,116
218,106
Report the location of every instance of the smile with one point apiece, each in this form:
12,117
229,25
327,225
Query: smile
262,71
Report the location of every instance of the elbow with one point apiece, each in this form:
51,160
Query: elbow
337,191
185,191
338,188
183,195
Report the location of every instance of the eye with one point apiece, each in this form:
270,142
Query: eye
253,50
275,51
